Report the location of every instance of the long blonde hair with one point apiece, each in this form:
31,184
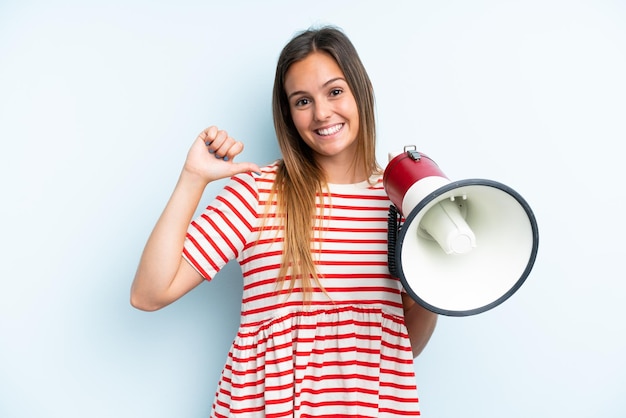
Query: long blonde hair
299,178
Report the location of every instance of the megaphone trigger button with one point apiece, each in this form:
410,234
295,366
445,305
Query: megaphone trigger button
414,155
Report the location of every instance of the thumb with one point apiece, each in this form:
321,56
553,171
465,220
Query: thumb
244,167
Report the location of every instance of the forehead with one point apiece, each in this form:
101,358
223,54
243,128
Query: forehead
312,72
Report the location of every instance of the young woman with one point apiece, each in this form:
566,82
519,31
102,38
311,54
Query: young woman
325,330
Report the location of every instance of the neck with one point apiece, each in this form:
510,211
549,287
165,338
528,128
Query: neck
344,174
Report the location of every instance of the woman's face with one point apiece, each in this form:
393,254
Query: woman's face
323,109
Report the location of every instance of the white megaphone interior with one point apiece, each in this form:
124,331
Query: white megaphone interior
445,220
503,239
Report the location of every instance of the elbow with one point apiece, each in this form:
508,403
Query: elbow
421,330
144,303
417,350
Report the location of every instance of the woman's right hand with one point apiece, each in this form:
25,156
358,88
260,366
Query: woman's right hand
211,156
163,275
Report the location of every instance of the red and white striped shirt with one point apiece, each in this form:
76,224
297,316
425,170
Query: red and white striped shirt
346,353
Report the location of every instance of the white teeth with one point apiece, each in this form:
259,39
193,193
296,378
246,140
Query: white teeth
330,131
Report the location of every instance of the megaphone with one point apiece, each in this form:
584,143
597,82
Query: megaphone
459,247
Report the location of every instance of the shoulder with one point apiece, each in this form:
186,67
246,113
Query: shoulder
253,184
376,181
267,174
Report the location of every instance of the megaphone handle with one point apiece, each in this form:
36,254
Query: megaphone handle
393,226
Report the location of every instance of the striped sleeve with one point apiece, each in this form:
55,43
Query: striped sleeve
221,231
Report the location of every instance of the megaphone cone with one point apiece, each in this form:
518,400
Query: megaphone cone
464,247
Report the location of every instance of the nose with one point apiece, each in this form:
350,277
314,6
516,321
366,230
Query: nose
323,110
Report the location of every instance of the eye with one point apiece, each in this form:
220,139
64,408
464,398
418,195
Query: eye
336,92
302,102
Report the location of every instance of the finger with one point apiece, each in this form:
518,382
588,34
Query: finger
218,141
228,148
237,168
235,149
208,135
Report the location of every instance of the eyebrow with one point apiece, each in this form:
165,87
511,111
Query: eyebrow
332,80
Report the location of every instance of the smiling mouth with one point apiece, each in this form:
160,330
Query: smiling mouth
330,130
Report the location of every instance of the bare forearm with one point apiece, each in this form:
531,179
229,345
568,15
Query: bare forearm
420,323
163,276
161,257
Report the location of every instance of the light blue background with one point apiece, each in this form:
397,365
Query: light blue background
99,102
